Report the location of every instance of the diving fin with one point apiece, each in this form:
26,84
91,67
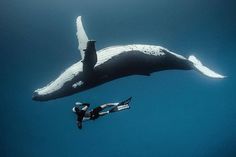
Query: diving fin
121,106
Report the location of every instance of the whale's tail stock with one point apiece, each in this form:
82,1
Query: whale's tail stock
203,69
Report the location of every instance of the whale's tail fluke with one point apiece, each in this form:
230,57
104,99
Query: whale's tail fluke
202,69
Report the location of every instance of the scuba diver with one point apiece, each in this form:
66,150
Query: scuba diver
83,115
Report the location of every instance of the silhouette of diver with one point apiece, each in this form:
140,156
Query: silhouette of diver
82,114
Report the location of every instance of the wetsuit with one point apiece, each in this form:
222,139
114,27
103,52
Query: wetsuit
94,114
83,114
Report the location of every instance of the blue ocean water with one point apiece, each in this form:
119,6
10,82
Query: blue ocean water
173,113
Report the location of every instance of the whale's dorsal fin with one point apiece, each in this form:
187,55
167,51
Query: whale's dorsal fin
81,36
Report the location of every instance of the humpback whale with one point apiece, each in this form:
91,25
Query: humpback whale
98,67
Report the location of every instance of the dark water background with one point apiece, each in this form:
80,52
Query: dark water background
174,113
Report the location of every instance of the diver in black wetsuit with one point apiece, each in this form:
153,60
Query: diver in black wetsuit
82,114
80,111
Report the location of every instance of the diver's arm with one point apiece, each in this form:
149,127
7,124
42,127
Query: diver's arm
83,106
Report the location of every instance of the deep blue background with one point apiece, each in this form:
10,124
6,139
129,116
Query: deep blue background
174,113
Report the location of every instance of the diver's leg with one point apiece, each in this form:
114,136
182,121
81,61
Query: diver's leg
103,113
102,107
99,110
108,105
121,106
126,102
116,108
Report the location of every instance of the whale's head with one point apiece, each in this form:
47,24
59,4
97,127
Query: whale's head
64,85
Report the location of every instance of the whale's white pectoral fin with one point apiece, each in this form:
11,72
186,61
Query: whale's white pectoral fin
203,69
81,36
86,47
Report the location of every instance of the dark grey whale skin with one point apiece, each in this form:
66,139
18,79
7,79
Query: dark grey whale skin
122,65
